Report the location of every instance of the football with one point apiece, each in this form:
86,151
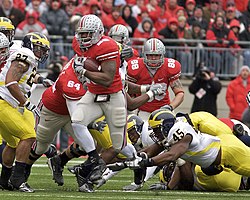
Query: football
92,65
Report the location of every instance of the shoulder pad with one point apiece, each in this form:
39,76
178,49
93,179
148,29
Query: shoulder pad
174,67
24,54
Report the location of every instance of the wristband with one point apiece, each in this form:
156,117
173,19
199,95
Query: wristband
40,79
150,94
143,89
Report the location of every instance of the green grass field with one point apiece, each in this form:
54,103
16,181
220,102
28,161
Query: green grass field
45,188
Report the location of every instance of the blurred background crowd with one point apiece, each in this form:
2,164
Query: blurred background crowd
211,31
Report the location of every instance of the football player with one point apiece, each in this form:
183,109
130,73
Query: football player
210,152
16,79
154,68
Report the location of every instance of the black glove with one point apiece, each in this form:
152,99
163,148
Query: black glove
148,162
127,52
219,40
64,34
231,42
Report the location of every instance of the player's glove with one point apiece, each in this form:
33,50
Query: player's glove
32,108
99,126
127,52
156,90
45,81
78,65
167,107
158,186
248,98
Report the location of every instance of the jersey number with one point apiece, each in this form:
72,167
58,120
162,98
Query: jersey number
30,79
134,64
72,84
171,63
178,135
21,57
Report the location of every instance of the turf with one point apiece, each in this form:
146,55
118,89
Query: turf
45,188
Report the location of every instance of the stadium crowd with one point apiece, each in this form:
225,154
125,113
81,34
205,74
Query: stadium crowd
224,22
97,90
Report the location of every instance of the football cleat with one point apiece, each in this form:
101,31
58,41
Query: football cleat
6,187
132,187
51,152
54,164
97,172
72,169
158,186
87,187
24,187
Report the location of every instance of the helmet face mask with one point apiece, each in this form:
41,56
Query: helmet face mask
90,30
119,33
7,28
153,53
134,128
161,122
4,48
39,44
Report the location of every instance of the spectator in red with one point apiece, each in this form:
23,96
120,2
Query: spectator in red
114,18
170,32
231,15
129,19
144,13
241,5
190,6
231,4
221,60
160,17
211,11
107,6
181,12
82,9
236,100
19,4
144,30
8,10
31,24
234,32
37,5
198,16
172,7
152,5
136,9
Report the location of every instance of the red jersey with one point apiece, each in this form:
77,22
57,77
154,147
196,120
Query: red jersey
139,73
2,65
67,86
104,50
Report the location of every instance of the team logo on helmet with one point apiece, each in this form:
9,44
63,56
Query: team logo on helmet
7,28
39,44
153,53
90,30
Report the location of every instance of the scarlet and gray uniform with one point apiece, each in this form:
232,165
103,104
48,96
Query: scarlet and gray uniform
54,109
114,105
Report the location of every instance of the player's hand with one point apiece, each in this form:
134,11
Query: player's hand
47,82
99,126
32,107
248,98
127,52
158,186
158,89
78,65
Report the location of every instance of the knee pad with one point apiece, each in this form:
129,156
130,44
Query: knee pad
117,141
77,116
118,117
76,151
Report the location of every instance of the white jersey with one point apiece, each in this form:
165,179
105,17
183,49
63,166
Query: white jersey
15,45
202,150
26,80
123,72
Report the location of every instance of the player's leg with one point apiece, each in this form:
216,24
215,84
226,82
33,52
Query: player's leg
226,181
17,125
86,112
235,154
